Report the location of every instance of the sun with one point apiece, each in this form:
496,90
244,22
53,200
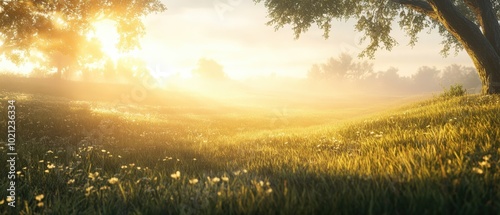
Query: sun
105,31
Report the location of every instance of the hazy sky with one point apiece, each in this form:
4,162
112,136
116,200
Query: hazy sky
233,32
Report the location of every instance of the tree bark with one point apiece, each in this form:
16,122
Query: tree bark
476,44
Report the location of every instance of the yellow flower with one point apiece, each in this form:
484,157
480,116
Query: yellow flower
193,181
40,204
477,170
113,180
51,166
225,178
485,164
269,190
93,176
71,181
215,180
176,175
39,197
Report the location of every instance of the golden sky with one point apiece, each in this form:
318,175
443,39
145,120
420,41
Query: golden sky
233,33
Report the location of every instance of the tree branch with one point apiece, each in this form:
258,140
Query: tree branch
483,9
419,6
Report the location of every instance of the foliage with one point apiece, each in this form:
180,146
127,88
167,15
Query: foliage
374,18
432,157
455,90
57,29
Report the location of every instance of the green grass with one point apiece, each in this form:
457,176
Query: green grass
439,156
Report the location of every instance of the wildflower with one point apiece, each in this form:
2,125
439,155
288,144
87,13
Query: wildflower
124,167
268,191
132,164
225,178
46,171
113,180
18,172
70,181
50,152
88,190
261,183
477,170
93,176
104,188
39,197
215,180
9,199
485,164
39,204
237,172
486,157
104,150
51,166
176,175
41,161
193,181
245,171
194,159
2,201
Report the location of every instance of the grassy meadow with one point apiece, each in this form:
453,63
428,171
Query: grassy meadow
380,156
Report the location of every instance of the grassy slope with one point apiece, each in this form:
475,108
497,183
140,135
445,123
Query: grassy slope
432,157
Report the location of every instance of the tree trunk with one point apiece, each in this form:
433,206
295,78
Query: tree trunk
478,46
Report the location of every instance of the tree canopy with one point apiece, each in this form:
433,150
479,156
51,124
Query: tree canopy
58,28
464,24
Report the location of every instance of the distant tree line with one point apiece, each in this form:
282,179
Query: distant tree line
345,71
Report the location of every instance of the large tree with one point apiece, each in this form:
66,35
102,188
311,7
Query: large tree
472,25
58,28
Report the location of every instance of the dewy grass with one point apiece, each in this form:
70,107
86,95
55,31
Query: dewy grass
432,157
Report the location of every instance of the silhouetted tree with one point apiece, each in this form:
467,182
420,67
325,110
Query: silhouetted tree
469,24
209,69
458,74
341,68
426,79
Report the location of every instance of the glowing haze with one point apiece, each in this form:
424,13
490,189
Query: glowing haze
233,33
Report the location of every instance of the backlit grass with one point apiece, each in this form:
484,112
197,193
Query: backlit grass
439,156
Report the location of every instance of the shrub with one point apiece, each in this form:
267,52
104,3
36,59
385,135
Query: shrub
455,90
